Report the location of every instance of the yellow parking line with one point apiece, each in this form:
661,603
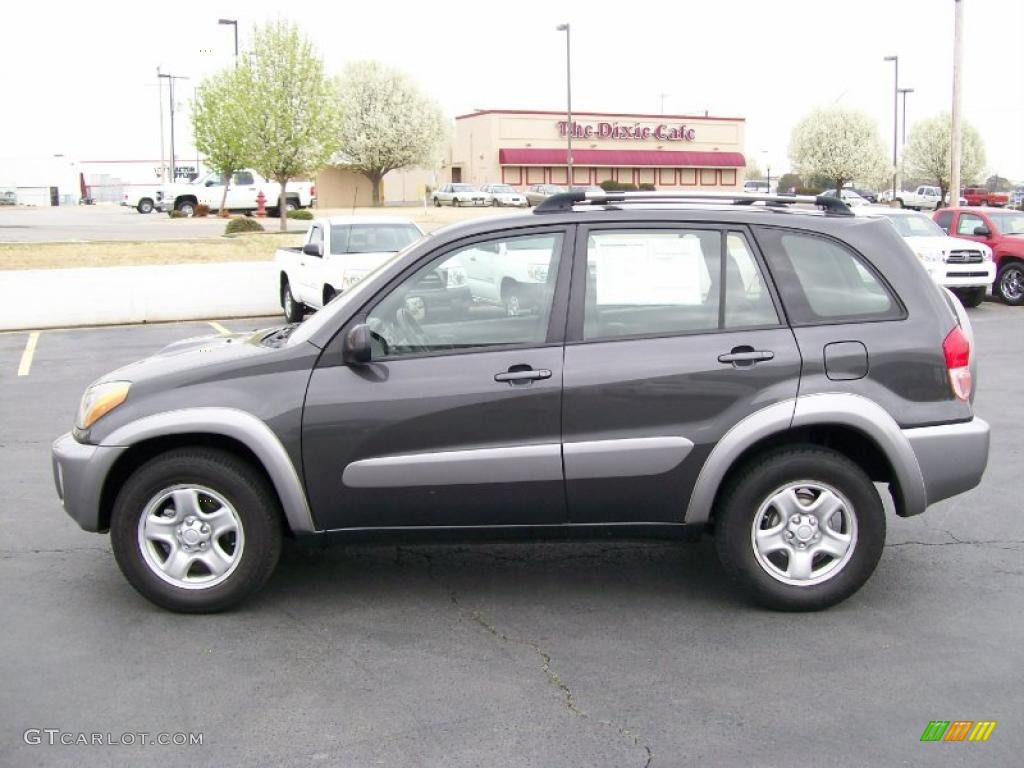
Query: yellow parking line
26,356
219,328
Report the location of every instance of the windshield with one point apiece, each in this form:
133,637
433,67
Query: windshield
1008,223
372,238
915,225
462,187
501,188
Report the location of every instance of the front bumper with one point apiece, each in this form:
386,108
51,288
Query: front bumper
977,275
79,471
952,457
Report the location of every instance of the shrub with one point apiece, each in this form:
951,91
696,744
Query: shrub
608,185
809,191
648,188
242,224
175,214
303,214
202,210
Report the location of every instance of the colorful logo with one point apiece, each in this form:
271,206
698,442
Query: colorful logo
958,730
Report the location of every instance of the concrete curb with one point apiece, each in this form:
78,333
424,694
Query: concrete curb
55,298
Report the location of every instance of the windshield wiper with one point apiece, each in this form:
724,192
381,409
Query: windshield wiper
280,336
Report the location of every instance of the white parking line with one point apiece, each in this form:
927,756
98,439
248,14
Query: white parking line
26,356
219,328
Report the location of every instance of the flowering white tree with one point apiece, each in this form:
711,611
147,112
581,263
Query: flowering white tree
292,106
840,144
927,155
386,123
220,124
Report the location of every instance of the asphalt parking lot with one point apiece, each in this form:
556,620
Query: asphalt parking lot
525,654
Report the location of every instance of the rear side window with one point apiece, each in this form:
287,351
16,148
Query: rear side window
824,282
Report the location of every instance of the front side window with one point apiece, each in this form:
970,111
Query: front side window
490,294
663,282
944,219
967,223
824,282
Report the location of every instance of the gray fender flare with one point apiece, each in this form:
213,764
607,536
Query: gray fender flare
854,411
241,426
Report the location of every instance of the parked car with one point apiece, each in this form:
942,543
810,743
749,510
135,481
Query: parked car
924,198
503,194
457,194
963,266
848,196
538,193
1017,197
1002,231
242,193
8,197
867,194
756,186
142,199
655,391
513,274
981,196
337,253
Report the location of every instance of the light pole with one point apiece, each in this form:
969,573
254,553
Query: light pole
955,138
895,116
568,101
233,23
160,99
170,82
768,166
904,92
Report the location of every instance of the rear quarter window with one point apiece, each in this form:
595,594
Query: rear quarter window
822,281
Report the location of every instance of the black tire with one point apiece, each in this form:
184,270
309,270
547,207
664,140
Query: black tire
758,481
247,492
899,202
293,308
971,297
455,202
186,207
291,204
1009,283
145,205
437,203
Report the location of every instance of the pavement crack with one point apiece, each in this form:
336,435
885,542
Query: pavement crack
960,542
5,553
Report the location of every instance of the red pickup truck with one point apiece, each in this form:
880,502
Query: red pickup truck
981,196
1003,232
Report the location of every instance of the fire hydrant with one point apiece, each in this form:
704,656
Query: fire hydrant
261,205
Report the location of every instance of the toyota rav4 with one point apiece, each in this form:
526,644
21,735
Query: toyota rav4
686,365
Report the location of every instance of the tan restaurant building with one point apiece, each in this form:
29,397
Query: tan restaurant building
669,151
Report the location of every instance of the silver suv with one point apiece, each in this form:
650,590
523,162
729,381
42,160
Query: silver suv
686,366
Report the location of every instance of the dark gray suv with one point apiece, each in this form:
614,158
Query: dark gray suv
747,367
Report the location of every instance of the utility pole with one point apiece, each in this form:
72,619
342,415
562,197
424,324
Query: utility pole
160,99
903,121
955,145
895,119
170,82
568,102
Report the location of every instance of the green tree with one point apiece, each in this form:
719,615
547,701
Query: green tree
386,123
927,155
838,144
220,125
292,106
997,183
789,182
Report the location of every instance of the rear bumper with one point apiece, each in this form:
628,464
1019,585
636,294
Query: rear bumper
79,471
952,457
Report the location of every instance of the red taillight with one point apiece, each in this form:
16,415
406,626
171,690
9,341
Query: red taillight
957,350
312,190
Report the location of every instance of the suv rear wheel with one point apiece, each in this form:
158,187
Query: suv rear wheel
800,529
196,530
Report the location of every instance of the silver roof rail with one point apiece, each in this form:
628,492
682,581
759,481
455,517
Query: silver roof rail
567,201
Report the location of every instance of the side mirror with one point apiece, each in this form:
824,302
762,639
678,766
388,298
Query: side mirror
313,249
356,349
982,231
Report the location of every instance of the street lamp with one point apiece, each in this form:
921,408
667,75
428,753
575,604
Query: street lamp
895,116
568,101
904,92
233,23
170,83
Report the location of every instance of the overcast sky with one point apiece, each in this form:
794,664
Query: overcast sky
80,78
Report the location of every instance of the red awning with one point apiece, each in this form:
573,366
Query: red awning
626,158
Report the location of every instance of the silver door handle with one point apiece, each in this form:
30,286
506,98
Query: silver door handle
753,356
530,375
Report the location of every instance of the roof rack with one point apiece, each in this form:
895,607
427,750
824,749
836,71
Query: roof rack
567,201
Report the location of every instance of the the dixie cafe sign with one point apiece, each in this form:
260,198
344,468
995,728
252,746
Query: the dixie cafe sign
636,131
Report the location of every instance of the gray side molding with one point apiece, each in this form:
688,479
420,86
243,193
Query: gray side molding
237,424
870,418
760,424
511,464
624,457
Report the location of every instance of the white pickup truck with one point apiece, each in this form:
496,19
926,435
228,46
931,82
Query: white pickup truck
338,252
242,192
142,199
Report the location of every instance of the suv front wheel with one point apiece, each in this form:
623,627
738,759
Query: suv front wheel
196,530
800,529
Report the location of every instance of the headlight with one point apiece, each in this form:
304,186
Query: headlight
986,254
930,257
100,400
351,277
456,277
538,272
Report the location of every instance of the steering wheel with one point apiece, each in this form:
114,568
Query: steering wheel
412,330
